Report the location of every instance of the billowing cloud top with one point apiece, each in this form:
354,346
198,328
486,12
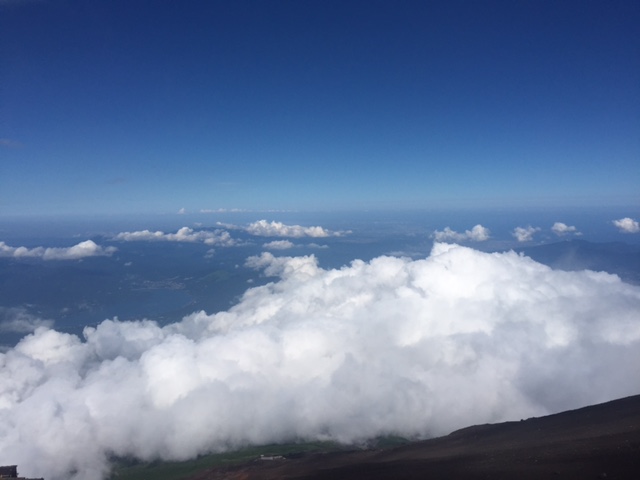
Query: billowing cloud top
84,249
414,348
627,225
264,228
476,234
561,229
185,234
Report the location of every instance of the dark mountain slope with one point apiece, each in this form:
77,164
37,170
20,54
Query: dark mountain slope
601,441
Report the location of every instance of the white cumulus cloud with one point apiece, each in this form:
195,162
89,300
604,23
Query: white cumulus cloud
88,248
476,234
525,234
185,234
562,229
389,346
263,228
627,225
279,245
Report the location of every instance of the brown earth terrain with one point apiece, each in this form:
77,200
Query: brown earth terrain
596,442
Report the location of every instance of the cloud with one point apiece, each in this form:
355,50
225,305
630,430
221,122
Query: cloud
627,225
222,210
525,234
476,234
279,245
562,229
185,234
390,346
18,320
182,211
84,249
264,228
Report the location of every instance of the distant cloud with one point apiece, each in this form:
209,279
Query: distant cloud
222,210
476,234
263,228
182,211
525,234
84,249
562,229
18,320
279,245
627,225
277,229
317,245
185,234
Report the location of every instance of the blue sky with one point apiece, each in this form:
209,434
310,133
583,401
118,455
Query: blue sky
153,106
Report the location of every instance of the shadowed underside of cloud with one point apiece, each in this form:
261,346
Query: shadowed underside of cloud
84,249
185,234
390,346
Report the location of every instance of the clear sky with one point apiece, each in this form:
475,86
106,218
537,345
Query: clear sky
152,106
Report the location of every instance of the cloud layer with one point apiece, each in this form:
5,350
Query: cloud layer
390,346
84,249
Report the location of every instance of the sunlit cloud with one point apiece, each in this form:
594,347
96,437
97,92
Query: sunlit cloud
627,225
279,245
264,228
562,229
476,234
391,346
525,234
185,234
84,249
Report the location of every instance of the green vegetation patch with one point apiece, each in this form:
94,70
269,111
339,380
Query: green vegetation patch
124,469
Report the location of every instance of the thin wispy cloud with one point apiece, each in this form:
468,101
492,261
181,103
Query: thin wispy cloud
279,245
18,320
627,225
392,346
